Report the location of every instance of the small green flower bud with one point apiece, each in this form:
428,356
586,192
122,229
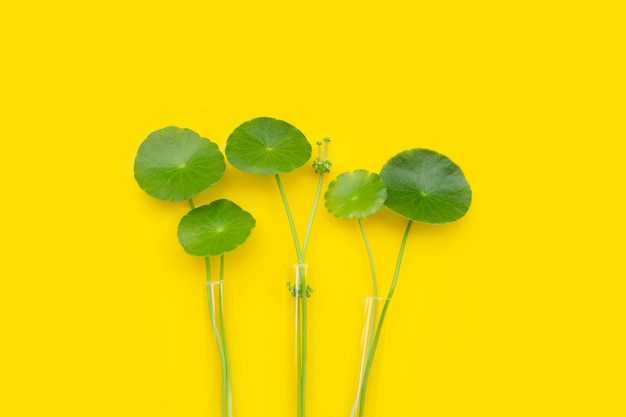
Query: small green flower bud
322,166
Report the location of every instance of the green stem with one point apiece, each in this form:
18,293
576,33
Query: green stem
371,324
299,348
229,388
218,338
379,328
303,339
318,194
371,259
303,292
219,333
301,307
292,225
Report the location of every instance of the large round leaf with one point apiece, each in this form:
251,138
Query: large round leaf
267,146
214,229
426,186
355,195
174,164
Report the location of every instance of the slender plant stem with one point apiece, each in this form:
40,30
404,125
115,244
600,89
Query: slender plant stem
371,259
218,338
300,388
300,305
294,233
304,325
303,291
379,328
371,324
318,193
218,332
229,387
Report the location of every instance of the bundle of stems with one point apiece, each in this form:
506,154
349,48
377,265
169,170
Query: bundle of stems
300,289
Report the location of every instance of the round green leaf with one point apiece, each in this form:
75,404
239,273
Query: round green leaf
175,164
426,186
355,195
267,146
214,229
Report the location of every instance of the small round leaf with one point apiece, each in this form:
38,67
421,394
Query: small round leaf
355,195
426,186
175,164
267,146
214,229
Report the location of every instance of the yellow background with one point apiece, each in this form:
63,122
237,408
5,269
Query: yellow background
516,310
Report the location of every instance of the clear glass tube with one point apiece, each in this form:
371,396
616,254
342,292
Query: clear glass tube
215,301
299,291
373,308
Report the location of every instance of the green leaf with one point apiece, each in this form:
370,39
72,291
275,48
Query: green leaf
267,146
426,186
355,195
214,229
175,164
